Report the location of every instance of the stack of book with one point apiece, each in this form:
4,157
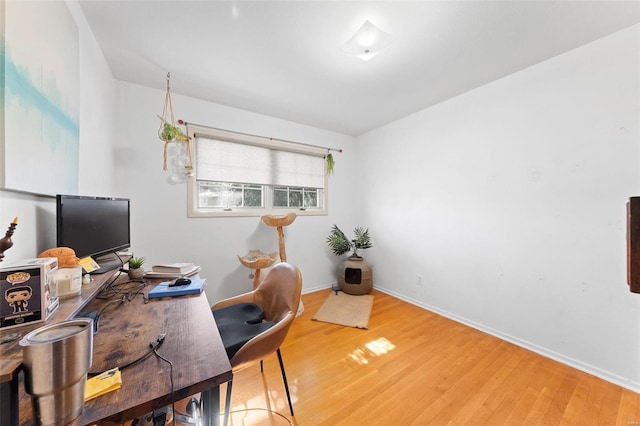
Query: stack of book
172,270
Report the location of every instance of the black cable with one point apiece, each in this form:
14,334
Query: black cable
121,300
154,348
124,291
155,351
129,364
97,320
129,288
137,360
108,286
141,358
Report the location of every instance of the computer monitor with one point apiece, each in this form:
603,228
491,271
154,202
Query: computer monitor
94,226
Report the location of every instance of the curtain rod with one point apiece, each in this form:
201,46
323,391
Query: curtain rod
182,122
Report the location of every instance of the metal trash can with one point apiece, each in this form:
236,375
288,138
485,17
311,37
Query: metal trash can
56,360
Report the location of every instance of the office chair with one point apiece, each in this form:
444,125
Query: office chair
254,325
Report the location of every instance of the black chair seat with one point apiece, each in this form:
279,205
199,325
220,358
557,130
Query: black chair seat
238,324
243,312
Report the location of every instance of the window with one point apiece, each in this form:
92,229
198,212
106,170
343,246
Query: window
288,196
246,175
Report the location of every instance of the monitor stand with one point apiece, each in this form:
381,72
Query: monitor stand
108,262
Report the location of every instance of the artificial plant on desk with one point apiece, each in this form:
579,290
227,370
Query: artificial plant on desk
136,271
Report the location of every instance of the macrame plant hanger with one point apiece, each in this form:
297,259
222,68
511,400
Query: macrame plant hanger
168,132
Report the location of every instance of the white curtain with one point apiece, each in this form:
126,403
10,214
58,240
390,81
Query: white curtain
218,160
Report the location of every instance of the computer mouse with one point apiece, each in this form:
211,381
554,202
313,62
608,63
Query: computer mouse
180,281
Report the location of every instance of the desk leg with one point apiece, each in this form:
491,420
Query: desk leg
9,402
211,407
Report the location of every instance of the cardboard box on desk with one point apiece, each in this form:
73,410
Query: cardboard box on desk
26,287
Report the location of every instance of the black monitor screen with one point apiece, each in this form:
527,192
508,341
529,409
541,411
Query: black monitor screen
92,226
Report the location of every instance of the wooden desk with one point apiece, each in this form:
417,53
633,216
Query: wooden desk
11,353
192,344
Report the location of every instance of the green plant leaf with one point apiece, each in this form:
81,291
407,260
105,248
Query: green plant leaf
330,163
363,239
340,244
136,262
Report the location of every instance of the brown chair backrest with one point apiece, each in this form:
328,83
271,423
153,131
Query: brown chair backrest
279,296
279,292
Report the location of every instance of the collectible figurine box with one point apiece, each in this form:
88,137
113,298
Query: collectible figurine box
26,288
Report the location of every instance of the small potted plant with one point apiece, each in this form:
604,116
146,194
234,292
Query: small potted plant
136,271
354,275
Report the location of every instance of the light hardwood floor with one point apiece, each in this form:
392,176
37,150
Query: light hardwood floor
414,367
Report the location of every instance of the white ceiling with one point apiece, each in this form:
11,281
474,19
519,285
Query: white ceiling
283,59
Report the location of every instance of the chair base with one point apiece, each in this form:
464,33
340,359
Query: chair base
227,403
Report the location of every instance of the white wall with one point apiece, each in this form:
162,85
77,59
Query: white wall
36,229
161,231
510,202
121,156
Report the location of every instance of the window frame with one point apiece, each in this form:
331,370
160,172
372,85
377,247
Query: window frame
195,131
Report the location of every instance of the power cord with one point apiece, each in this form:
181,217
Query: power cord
159,416
123,291
158,341
108,286
153,347
96,315
130,289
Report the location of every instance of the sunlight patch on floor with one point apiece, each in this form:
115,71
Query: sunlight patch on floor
375,348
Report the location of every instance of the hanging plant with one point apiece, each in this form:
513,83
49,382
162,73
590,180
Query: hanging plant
169,132
330,163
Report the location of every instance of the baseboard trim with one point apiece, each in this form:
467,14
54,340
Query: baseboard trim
579,365
319,288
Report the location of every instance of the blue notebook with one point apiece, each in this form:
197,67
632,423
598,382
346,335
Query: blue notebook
163,290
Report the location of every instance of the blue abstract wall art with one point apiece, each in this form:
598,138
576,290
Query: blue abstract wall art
40,93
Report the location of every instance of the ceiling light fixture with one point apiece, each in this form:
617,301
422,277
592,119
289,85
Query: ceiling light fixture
367,42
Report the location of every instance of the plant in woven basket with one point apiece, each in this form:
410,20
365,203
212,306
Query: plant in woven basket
340,244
